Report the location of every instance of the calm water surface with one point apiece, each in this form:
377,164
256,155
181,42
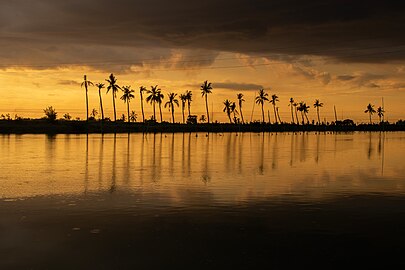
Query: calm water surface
200,200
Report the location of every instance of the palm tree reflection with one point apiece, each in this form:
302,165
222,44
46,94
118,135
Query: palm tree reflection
113,171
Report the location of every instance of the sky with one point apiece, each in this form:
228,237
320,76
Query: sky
345,53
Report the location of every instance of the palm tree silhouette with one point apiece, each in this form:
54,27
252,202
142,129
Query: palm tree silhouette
189,96
380,112
126,97
172,100
370,110
303,108
260,99
240,99
274,99
205,90
159,100
227,109
317,105
183,98
141,90
295,104
114,88
153,93
234,111
86,84
291,106
101,86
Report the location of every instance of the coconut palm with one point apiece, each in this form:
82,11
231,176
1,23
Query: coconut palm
86,84
292,113
380,112
153,93
205,90
126,97
227,109
274,99
172,100
295,104
113,86
141,90
189,96
234,111
317,105
183,98
303,108
241,100
159,100
101,86
260,99
370,110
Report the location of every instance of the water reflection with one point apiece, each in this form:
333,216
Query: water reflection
234,165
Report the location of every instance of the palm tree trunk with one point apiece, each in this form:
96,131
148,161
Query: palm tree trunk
115,113
128,110
302,115
241,115
262,113
87,102
229,116
182,111
101,105
160,109
143,115
306,117
317,111
296,116
370,118
206,106
189,105
154,111
292,114
173,113
275,114
278,115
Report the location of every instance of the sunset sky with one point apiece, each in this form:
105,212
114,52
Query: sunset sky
344,53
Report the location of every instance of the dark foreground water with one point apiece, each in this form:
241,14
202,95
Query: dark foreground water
202,201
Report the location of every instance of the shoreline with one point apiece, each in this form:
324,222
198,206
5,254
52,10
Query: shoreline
41,126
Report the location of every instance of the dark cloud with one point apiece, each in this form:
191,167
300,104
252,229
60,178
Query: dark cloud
68,82
345,77
105,34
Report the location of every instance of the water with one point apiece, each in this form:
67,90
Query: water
201,200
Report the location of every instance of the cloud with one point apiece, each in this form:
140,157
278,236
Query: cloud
68,82
345,77
118,35
230,86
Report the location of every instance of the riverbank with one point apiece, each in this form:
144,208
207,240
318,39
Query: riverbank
41,126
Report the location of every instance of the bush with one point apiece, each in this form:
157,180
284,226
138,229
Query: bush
50,113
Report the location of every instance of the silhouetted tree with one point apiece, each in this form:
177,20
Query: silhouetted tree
295,104
50,113
152,98
159,100
274,99
241,100
126,97
86,84
234,111
183,99
380,113
113,86
317,105
370,110
172,100
303,108
189,96
133,116
141,90
292,113
205,90
101,86
227,109
260,99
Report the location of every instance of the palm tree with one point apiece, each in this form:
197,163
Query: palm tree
183,98
101,86
189,96
205,90
317,105
86,84
380,112
227,109
274,99
303,108
141,90
292,113
295,104
114,88
126,97
153,92
234,111
370,110
159,100
260,99
172,100
240,99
